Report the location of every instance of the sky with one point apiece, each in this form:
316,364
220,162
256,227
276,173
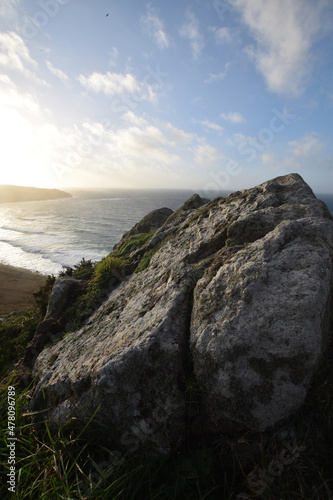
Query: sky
192,94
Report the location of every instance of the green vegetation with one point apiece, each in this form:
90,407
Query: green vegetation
81,271
99,278
82,464
204,210
133,243
16,331
144,262
42,295
108,268
78,462
19,327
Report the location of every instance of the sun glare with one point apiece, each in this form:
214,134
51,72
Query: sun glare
19,164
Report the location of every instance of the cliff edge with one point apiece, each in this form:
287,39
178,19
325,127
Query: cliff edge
235,296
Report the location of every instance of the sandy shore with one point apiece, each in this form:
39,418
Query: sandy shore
16,287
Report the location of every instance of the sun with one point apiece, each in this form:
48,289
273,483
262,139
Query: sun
20,165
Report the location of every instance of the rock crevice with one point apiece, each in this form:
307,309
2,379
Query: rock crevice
236,298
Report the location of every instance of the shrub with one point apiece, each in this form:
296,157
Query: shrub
42,295
110,267
15,334
82,271
133,243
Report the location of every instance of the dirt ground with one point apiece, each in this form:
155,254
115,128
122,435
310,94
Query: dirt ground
16,288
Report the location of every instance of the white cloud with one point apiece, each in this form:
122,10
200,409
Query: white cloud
233,117
141,151
110,83
117,83
238,138
191,31
8,8
134,119
204,154
141,145
307,147
177,137
211,126
284,32
57,72
225,35
145,151
26,137
213,77
302,153
13,98
159,131
15,56
154,26
14,53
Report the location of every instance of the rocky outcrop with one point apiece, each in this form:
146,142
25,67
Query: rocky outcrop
192,203
243,285
62,290
148,224
261,323
53,326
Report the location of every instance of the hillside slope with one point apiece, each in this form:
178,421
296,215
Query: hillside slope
9,194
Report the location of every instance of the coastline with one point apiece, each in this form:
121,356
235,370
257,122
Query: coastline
17,194
17,286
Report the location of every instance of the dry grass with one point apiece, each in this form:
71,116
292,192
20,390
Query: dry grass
16,288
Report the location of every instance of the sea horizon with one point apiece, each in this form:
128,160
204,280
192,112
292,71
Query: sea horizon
50,235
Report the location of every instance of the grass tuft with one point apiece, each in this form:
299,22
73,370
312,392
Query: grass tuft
78,461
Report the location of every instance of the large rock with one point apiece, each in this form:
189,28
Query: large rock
128,359
150,223
245,282
60,296
262,315
52,327
192,203
261,323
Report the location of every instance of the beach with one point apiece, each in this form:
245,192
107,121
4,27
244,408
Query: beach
16,288
46,236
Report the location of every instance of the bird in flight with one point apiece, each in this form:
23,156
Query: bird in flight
107,15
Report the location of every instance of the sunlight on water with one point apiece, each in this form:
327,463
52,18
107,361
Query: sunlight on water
44,236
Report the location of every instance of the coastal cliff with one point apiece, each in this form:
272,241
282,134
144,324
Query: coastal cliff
10,194
232,295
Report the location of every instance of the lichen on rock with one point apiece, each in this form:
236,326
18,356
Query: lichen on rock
244,282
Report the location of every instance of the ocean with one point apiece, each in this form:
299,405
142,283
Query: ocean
46,236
